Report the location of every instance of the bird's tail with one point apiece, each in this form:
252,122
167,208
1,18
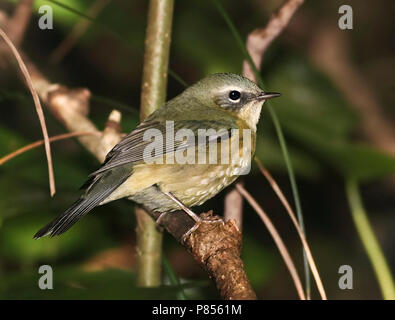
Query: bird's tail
67,219
98,188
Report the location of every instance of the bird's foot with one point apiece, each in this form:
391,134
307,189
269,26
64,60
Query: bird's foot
160,218
190,231
208,218
213,220
192,214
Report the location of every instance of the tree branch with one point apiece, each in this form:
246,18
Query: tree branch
233,208
153,95
216,248
260,39
17,24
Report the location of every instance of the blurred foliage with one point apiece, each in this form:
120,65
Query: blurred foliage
72,282
316,115
320,127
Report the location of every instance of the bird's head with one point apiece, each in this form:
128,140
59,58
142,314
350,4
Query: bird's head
232,93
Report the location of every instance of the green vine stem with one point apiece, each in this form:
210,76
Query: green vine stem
153,95
369,241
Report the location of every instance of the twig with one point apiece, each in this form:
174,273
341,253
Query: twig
153,95
156,56
71,108
216,248
277,239
41,142
39,109
3,19
17,24
260,39
292,215
233,208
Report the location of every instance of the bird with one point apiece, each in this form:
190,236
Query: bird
162,172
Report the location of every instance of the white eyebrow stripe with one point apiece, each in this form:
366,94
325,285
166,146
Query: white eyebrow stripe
230,88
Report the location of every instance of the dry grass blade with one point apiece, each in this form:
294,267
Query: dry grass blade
39,110
277,239
285,203
41,142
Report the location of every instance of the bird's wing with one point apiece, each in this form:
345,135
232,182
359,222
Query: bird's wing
131,149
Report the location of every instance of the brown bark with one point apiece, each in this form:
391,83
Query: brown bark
260,39
216,247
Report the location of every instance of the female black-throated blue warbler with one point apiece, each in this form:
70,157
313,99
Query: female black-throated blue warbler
223,101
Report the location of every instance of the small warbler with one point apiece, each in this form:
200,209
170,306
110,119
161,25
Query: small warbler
168,181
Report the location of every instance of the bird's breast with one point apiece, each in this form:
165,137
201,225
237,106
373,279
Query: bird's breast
193,184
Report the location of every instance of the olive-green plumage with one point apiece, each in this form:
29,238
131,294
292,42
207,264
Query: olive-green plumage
226,102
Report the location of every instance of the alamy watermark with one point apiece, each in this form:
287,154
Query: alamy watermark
346,20
46,20
346,280
45,282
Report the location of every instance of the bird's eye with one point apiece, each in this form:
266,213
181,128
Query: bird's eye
234,95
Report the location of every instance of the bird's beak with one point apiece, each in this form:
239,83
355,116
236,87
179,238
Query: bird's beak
268,95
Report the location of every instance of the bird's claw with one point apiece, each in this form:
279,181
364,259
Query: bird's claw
197,225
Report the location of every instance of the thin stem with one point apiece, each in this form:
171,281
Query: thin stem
153,95
41,142
277,125
39,109
149,250
294,187
276,237
287,206
369,241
